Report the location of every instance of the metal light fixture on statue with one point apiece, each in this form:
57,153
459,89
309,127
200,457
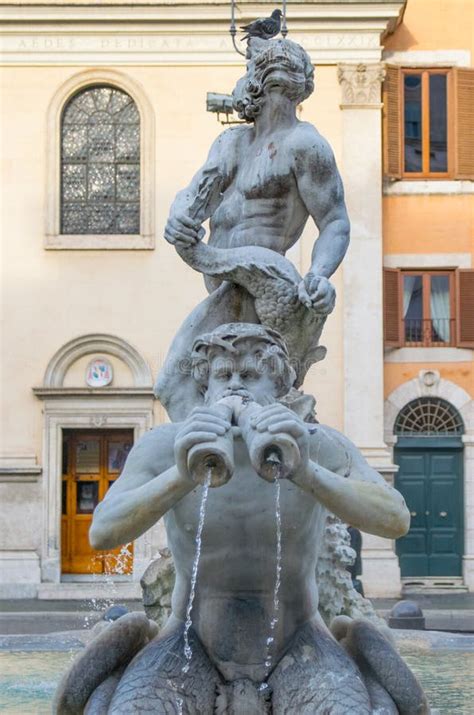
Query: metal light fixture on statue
222,103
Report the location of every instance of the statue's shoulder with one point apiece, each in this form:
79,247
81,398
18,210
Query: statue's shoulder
234,135
158,440
307,141
167,430
331,449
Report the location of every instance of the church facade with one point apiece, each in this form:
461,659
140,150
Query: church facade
104,120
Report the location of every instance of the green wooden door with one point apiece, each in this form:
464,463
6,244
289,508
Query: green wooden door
431,481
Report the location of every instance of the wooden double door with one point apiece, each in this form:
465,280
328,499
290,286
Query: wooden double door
430,478
91,461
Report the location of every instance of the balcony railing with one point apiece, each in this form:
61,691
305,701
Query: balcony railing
438,332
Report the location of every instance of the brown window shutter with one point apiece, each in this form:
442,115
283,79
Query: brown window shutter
464,122
391,308
392,123
465,307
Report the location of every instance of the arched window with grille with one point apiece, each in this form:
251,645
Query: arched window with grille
100,158
100,163
429,417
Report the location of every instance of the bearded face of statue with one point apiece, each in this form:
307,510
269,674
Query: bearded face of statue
279,65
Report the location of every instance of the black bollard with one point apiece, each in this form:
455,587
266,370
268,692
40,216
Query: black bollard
407,614
114,613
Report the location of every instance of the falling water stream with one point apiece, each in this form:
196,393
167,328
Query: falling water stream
194,575
115,565
188,653
276,591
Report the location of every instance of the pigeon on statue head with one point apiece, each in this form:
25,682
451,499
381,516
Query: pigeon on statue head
265,28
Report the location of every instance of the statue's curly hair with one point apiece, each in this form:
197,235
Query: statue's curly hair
225,338
249,92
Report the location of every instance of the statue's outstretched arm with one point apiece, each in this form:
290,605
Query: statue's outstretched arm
369,506
346,485
182,228
320,188
354,491
148,487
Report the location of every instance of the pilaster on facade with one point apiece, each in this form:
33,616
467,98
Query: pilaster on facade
363,310
362,267
360,84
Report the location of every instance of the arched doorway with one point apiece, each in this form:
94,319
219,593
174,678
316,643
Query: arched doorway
88,428
429,453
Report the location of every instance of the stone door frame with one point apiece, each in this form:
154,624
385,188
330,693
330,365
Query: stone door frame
79,413
430,383
81,408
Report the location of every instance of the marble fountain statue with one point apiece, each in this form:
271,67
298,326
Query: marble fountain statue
244,475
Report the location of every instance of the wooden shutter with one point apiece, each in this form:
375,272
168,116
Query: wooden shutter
392,123
464,122
465,307
391,308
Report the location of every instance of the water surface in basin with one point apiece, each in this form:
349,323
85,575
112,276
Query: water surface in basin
28,679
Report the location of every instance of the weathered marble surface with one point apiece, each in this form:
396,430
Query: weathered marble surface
111,650
242,368
337,595
240,424
259,185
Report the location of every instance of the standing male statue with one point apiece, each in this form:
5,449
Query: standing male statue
272,175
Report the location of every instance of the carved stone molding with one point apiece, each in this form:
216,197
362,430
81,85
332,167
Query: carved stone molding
19,468
98,420
79,413
428,380
99,343
117,32
361,84
417,387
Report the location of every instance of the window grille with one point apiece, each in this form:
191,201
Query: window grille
429,417
100,163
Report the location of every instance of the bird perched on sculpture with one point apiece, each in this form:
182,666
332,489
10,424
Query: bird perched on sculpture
265,28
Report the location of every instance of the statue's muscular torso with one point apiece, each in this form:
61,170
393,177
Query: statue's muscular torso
261,204
234,597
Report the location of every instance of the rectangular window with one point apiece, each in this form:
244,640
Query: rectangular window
428,117
428,309
87,497
426,143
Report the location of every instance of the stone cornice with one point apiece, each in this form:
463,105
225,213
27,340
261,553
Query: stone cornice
19,468
157,34
383,15
62,392
20,475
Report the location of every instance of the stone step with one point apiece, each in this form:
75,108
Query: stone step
459,620
83,591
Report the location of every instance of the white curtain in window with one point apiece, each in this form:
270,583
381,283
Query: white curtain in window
408,287
439,304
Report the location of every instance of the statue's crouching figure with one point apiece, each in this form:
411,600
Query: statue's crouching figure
242,440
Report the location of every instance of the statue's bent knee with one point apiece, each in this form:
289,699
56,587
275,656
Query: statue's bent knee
317,676
155,681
